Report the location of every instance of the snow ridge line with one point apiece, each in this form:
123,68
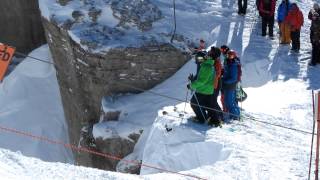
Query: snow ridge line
75,148
250,117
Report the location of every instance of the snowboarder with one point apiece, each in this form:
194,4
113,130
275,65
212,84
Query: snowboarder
229,82
216,119
203,88
283,10
314,16
266,11
242,7
295,21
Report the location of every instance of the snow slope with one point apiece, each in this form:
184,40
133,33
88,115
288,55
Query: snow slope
278,83
30,101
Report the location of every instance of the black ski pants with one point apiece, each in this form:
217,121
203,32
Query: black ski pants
295,37
199,104
242,6
315,53
267,21
217,112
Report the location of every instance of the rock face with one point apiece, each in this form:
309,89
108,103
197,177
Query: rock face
21,24
86,77
115,146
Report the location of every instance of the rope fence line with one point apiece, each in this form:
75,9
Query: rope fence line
262,122
82,149
183,101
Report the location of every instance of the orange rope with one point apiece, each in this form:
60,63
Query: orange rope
75,148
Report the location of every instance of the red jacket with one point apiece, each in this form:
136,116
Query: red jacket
266,11
294,18
218,69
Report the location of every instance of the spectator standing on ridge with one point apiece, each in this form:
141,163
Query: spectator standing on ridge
229,83
314,16
224,50
283,11
266,11
217,116
203,87
295,21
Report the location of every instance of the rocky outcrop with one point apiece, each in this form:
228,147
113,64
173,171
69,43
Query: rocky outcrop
116,147
21,25
86,77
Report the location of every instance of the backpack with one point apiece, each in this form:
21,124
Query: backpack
240,94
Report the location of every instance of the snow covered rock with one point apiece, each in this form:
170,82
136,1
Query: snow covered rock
181,145
110,139
26,16
97,47
142,13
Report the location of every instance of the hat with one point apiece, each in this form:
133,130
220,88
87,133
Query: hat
231,54
224,49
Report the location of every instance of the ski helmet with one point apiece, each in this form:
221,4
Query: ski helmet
224,49
231,54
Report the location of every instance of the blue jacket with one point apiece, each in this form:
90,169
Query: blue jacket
230,74
283,10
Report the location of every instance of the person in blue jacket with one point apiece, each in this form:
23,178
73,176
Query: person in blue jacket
229,83
283,10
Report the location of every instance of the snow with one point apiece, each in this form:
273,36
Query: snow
278,83
30,101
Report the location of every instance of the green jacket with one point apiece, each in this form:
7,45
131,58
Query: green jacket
204,82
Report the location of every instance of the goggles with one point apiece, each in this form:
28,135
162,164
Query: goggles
223,50
200,59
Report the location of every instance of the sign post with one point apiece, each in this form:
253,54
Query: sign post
6,54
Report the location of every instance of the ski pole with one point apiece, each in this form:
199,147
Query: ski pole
185,102
200,107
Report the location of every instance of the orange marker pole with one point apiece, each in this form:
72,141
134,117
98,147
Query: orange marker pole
318,134
6,54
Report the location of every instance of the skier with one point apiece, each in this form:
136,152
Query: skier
266,11
295,21
229,82
283,10
224,49
203,88
216,119
242,7
314,16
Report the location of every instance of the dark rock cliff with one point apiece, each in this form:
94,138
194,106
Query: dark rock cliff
85,78
21,24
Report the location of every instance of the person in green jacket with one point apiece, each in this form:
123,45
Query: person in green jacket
203,87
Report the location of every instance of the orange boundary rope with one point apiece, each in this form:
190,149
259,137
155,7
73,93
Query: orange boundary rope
73,147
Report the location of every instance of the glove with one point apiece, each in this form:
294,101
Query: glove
188,86
190,77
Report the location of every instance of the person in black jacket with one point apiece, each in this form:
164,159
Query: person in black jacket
314,16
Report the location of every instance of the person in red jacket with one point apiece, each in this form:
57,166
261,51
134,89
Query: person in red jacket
266,11
295,21
217,117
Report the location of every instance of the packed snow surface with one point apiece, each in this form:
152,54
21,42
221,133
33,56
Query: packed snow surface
278,83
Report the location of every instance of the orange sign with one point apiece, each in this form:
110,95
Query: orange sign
6,54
